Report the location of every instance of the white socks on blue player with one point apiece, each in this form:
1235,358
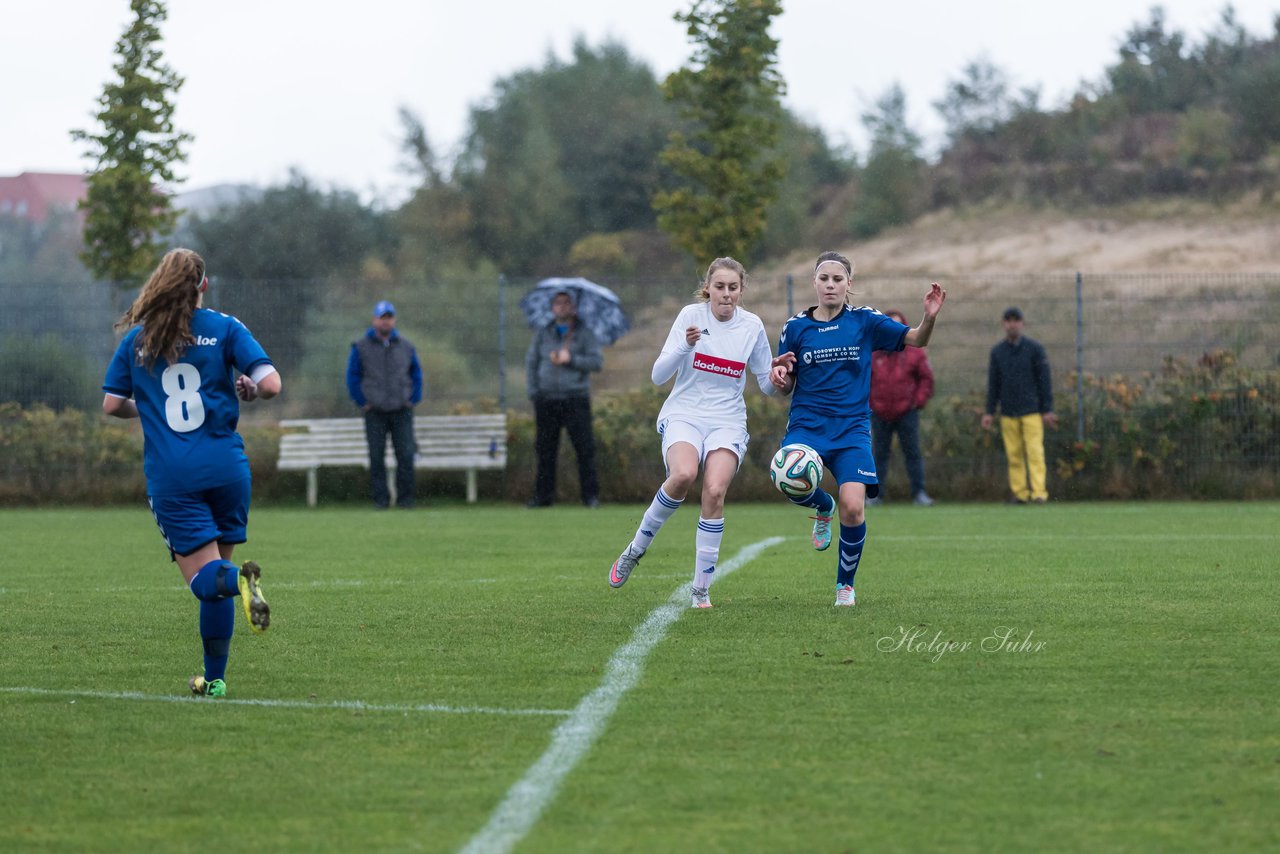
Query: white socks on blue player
707,545
851,541
660,510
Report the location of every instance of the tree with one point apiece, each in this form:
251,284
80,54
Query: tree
893,183
295,231
1254,97
978,102
560,152
135,151
270,257
435,223
1154,74
521,198
727,156
814,175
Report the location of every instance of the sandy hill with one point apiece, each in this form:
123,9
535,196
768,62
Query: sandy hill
1027,255
1170,237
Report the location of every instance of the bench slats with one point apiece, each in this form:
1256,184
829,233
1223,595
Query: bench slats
445,442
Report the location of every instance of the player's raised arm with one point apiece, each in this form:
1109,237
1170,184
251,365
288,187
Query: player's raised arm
920,335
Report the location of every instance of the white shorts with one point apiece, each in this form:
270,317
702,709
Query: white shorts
704,439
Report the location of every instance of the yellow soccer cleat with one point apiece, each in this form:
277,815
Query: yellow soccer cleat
212,688
256,610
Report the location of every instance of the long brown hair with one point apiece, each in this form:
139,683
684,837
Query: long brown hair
164,307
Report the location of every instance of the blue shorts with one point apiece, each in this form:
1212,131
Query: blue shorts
854,464
190,520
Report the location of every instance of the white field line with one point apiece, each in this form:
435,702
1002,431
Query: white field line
336,584
342,705
1036,538
573,737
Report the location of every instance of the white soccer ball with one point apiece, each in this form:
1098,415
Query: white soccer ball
796,470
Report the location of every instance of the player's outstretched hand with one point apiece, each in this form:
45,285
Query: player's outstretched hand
246,389
934,299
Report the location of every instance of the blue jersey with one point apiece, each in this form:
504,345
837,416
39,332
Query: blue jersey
189,409
833,371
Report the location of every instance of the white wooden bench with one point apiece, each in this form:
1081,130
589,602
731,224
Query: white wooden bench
445,442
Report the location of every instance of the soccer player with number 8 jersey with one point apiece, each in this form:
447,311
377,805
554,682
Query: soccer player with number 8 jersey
176,369
824,362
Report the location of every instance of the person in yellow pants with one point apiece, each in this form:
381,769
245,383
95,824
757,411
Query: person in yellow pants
1020,385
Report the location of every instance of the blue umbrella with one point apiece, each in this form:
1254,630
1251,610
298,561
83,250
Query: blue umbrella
598,307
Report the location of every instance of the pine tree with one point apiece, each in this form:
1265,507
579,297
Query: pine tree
127,210
728,161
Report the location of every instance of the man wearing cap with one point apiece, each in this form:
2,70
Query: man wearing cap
558,367
384,379
1018,381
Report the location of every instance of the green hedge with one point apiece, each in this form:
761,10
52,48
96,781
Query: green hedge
1204,430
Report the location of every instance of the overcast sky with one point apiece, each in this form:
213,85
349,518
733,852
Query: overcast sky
317,84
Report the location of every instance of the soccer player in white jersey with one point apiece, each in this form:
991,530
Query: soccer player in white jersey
824,362
175,369
712,347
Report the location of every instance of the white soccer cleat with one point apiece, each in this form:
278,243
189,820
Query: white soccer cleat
699,597
845,597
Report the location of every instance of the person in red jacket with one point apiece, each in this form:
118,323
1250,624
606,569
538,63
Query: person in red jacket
901,385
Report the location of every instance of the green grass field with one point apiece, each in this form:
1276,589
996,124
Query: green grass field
465,677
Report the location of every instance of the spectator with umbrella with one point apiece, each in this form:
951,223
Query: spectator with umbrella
563,354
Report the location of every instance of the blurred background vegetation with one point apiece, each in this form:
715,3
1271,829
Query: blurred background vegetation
556,176
560,164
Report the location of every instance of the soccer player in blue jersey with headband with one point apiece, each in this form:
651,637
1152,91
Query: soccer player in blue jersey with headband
824,362
176,369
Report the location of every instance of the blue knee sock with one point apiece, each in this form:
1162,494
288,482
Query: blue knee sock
819,500
851,540
217,579
217,622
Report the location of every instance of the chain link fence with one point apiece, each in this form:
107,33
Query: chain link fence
1108,330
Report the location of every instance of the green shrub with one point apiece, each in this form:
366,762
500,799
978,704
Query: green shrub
70,456
599,254
1204,138
45,370
1205,430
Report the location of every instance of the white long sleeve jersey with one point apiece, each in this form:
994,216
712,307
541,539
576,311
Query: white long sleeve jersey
711,375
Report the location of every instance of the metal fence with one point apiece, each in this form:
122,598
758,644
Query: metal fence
56,337
472,334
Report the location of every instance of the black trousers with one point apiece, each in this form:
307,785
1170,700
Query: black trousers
399,426
574,415
908,429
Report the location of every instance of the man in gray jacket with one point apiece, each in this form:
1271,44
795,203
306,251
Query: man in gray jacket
561,358
384,379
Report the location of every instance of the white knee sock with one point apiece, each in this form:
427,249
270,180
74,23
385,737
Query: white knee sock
707,543
660,510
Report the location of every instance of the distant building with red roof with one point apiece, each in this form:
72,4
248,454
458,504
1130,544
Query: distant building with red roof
34,196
